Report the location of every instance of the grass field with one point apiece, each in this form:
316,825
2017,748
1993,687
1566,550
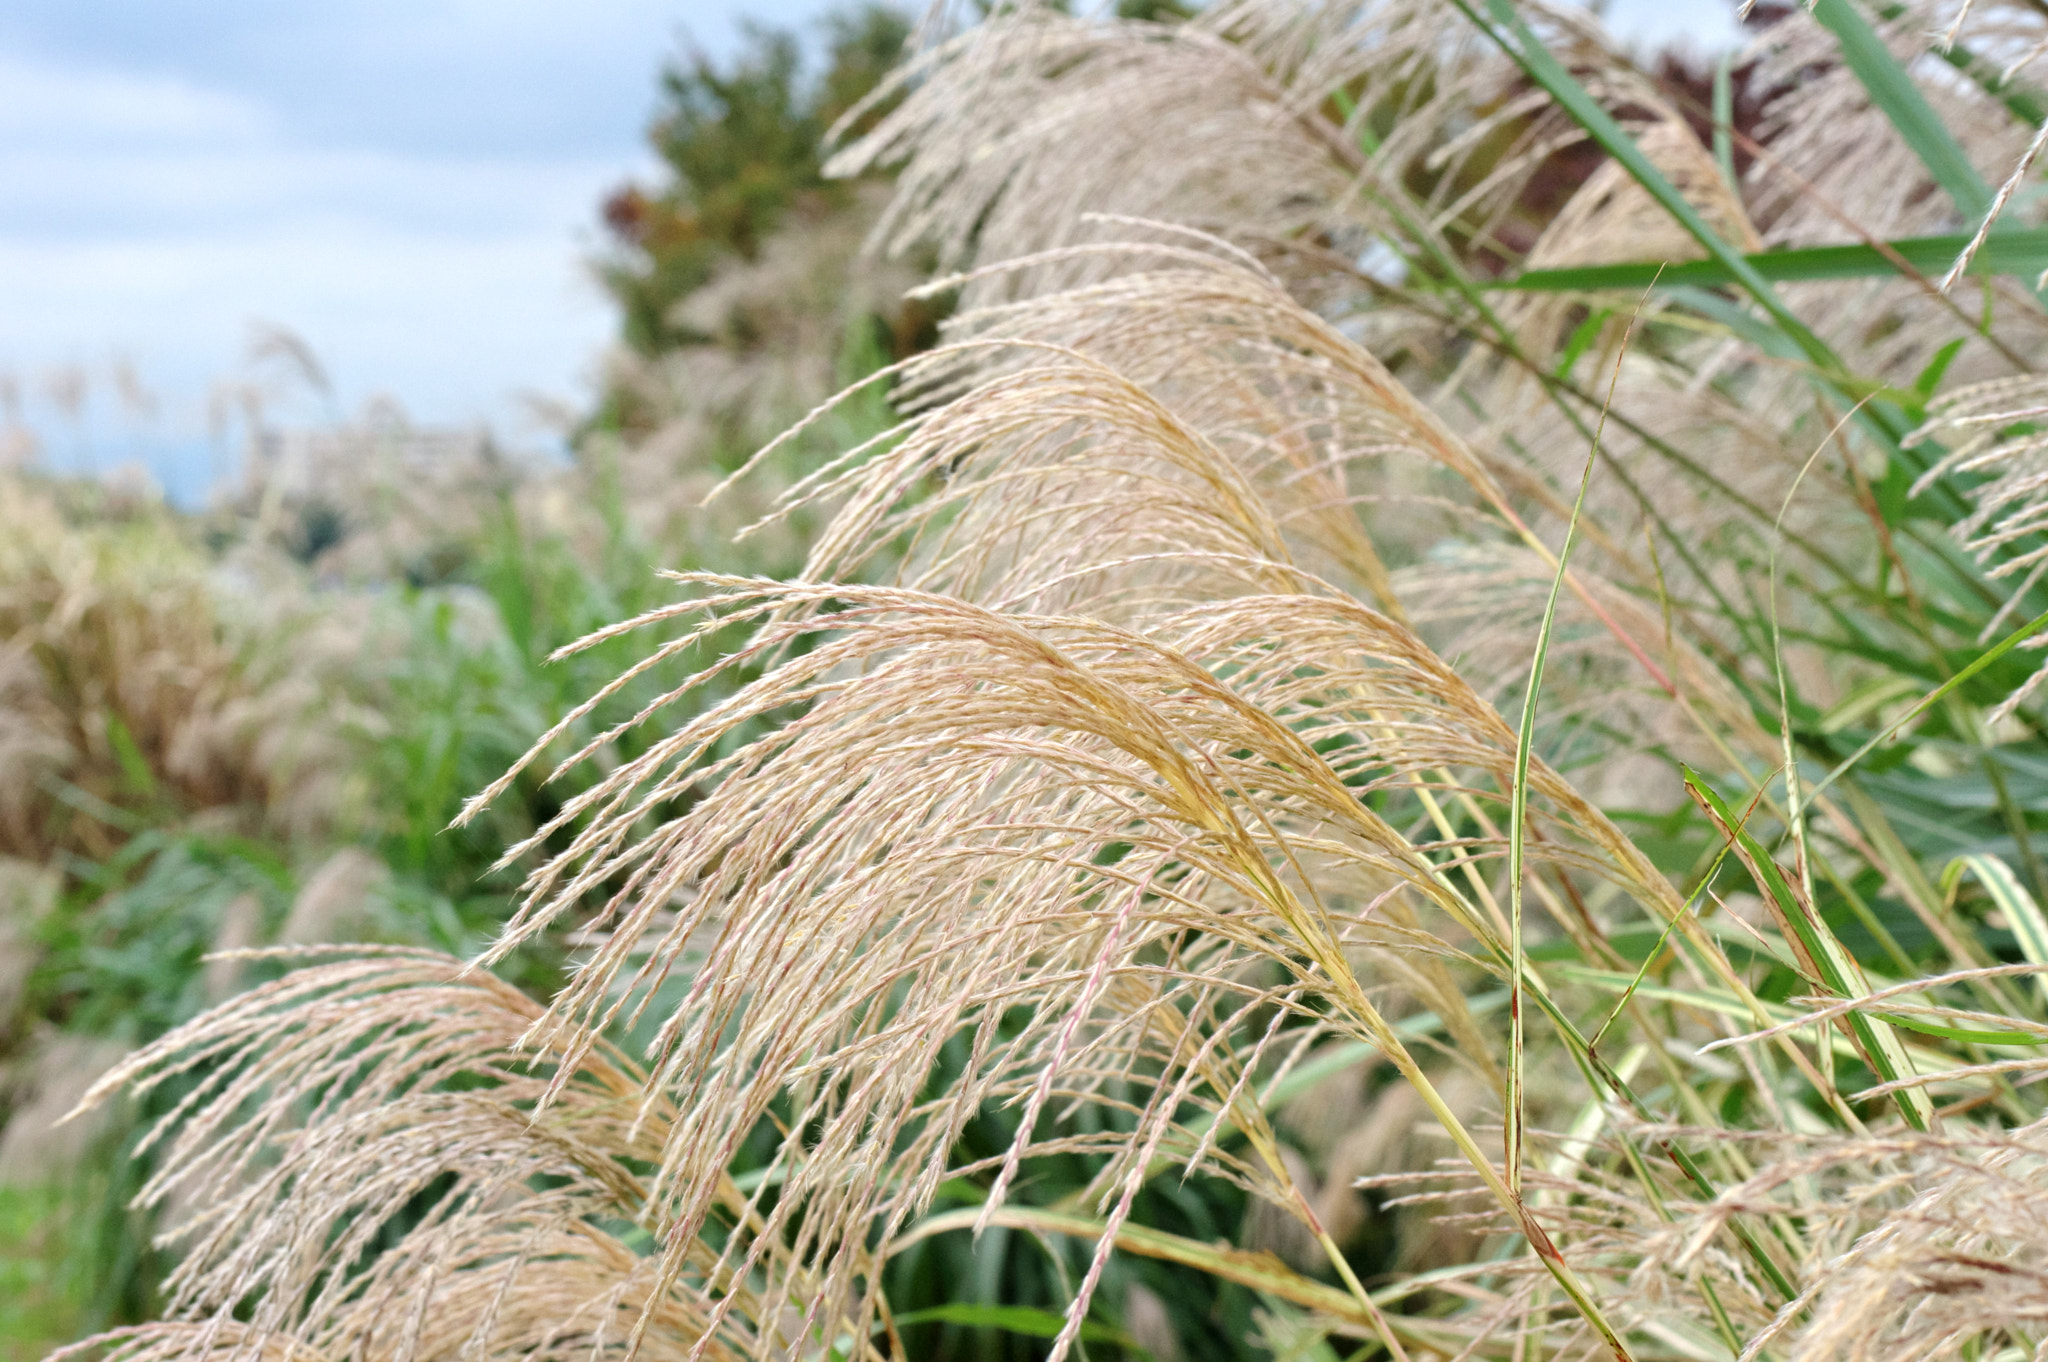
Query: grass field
1399,715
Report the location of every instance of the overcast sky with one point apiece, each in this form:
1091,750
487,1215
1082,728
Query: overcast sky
409,185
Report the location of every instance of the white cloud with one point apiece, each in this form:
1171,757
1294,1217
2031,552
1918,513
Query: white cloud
94,193
56,107
1702,27
452,325
156,219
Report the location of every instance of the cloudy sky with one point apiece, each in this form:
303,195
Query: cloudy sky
408,185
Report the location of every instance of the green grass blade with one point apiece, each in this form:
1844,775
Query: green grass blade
1012,1319
2022,253
1932,698
1830,962
1691,904
1927,1028
1724,121
1259,1271
1518,807
1900,100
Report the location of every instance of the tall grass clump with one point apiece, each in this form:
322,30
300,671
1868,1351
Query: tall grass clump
1436,678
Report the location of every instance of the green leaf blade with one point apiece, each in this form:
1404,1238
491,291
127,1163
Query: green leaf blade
1836,970
2023,253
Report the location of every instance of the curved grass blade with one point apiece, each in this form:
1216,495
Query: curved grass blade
1518,806
1927,1028
2029,927
1258,1270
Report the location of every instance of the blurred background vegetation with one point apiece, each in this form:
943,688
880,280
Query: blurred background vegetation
251,724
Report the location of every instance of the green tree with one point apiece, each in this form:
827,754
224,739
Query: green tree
742,147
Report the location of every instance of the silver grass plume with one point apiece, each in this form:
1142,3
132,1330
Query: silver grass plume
1992,431
1010,132
1152,830
1045,97
1833,168
334,1097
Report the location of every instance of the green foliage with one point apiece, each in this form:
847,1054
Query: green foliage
122,955
37,1311
2021,253
743,148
